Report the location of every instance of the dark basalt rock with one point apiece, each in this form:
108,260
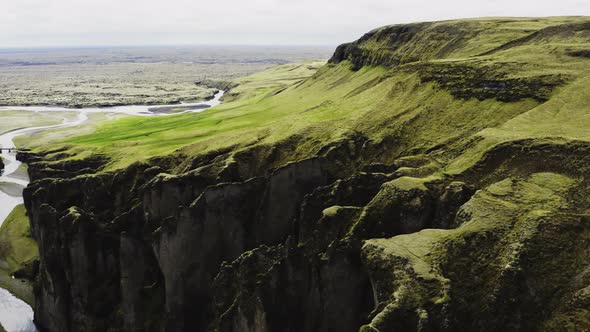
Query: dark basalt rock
404,205
394,36
40,167
139,249
283,289
581,53
288,251
379,168
452,198
27,156
29,271
354,191
151,260
485,82
191,245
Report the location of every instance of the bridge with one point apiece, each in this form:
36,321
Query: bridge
9,150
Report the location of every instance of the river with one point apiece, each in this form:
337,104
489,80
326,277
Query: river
15,314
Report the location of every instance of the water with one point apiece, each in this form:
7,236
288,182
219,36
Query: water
142,110
8,199
15,314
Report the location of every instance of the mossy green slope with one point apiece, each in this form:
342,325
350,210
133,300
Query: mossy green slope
467,87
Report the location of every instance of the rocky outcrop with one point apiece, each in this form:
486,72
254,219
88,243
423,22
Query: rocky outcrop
359,56
484,82
284,289
315,280
412,47
581,53
394,45
492,271
48,168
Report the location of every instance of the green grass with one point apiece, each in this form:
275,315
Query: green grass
40,139
16,244
16,249
255,116
20,288
565,116
311,107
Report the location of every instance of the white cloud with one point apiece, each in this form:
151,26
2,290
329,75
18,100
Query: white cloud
116,22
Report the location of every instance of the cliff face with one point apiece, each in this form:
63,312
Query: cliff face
394,45
133,245
290,251
465,208
119,248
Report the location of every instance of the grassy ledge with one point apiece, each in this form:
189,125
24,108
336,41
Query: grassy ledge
17,251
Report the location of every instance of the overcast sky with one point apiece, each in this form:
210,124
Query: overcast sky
40,23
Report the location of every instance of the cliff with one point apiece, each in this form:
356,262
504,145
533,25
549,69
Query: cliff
430,177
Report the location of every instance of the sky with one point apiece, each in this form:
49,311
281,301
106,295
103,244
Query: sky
55,23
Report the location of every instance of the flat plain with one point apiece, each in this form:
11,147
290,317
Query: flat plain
128,76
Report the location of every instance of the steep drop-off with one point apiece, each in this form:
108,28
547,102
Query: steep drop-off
430,177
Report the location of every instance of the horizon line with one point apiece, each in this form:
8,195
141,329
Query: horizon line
99,46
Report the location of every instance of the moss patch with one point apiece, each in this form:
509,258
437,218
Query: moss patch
494,268
483,82
17,251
